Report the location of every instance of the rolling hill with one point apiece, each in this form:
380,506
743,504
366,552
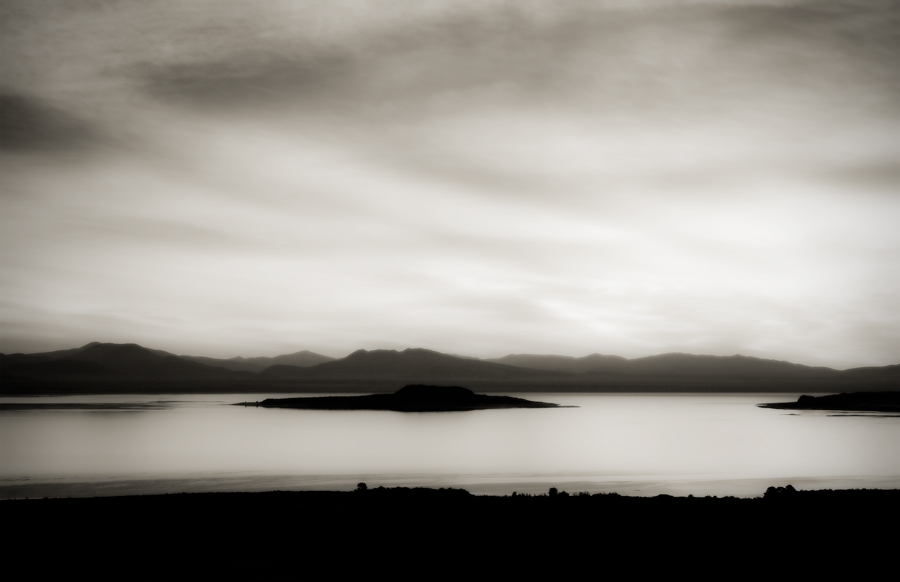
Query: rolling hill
568,364
107,360
303,359
409,364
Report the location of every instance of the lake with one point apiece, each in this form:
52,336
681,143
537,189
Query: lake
634,444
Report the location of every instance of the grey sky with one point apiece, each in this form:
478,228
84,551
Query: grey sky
225,178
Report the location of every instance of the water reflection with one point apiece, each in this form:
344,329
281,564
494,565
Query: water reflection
644,444
93,407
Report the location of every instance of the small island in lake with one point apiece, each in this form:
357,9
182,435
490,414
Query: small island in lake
850,401
413,398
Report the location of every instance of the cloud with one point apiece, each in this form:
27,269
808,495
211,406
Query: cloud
472,177
518,100
27,124
671,59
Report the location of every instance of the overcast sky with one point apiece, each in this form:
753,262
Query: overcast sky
475,177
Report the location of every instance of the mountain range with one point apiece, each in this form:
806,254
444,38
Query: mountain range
302,359
111,367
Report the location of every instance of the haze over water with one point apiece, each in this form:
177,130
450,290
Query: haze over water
634,444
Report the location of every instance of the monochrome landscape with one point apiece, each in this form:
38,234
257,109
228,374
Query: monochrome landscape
299,288
672,423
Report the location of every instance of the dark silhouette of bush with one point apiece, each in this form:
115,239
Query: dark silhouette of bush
779,492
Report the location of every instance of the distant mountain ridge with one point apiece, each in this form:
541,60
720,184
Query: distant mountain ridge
409,364
562,363
734,366
108,364
105,359
672,364
303,359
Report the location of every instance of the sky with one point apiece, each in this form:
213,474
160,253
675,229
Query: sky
474,177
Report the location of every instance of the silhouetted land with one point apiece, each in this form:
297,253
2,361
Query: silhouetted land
430,533
413,398
99,368
854,401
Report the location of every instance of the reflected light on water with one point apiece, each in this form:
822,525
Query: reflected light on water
643,444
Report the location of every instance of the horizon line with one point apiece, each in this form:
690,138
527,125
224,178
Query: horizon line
457,355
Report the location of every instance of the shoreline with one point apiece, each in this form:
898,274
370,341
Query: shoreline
490,485
784,494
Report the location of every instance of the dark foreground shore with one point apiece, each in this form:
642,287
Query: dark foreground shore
428,533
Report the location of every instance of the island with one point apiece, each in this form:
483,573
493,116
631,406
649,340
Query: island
849,401
412,398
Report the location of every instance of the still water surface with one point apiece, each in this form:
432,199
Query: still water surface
720,444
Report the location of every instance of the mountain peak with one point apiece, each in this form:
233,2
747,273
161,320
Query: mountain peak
117,353
418,364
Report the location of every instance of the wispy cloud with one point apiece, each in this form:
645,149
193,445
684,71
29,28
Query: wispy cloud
474,177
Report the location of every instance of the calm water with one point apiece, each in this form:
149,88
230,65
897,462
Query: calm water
633,444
